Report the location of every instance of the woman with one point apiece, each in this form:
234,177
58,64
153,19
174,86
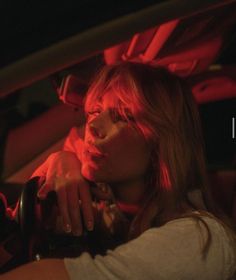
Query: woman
143,146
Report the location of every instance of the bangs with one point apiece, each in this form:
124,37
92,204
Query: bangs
127,104
130,105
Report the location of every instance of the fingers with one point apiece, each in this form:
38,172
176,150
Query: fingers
86,204
44,190
74,209
62,175
63,206
71,196
68,204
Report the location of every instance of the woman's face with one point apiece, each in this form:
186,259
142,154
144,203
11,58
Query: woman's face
115,151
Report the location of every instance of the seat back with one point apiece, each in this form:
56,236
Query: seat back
223,187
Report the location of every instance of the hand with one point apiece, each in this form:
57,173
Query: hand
62,174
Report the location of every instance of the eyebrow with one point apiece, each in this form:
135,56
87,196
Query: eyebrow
99,105
93,106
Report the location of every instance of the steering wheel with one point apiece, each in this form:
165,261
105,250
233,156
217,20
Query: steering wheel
40,242
33,241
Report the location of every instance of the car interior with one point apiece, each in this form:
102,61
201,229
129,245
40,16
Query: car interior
41,93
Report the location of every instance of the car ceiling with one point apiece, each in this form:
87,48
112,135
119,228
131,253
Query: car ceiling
185,44
31,26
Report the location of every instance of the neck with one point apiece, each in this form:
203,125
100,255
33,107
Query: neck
129,195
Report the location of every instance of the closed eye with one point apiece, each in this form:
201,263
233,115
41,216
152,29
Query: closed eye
116,116
92,114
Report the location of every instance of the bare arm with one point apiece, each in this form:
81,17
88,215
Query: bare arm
48,269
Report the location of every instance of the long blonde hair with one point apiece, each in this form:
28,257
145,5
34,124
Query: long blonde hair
165,111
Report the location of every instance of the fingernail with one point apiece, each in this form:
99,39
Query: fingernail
67,228
90,225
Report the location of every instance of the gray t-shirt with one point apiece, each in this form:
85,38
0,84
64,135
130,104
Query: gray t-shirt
171,252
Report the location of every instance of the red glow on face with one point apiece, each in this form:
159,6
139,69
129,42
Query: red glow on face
112,132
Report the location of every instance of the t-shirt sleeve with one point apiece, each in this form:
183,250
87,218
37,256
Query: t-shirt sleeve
172,251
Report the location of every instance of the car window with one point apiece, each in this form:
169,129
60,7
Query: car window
218,135
28,103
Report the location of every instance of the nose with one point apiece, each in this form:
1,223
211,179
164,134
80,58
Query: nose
97,127
95,131
100,125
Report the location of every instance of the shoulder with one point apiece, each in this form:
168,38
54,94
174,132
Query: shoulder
172,251
185,238
176,247
195,233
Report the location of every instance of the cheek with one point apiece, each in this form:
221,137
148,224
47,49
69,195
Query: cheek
130,155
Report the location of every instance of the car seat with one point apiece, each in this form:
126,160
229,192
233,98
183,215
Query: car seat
223,187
